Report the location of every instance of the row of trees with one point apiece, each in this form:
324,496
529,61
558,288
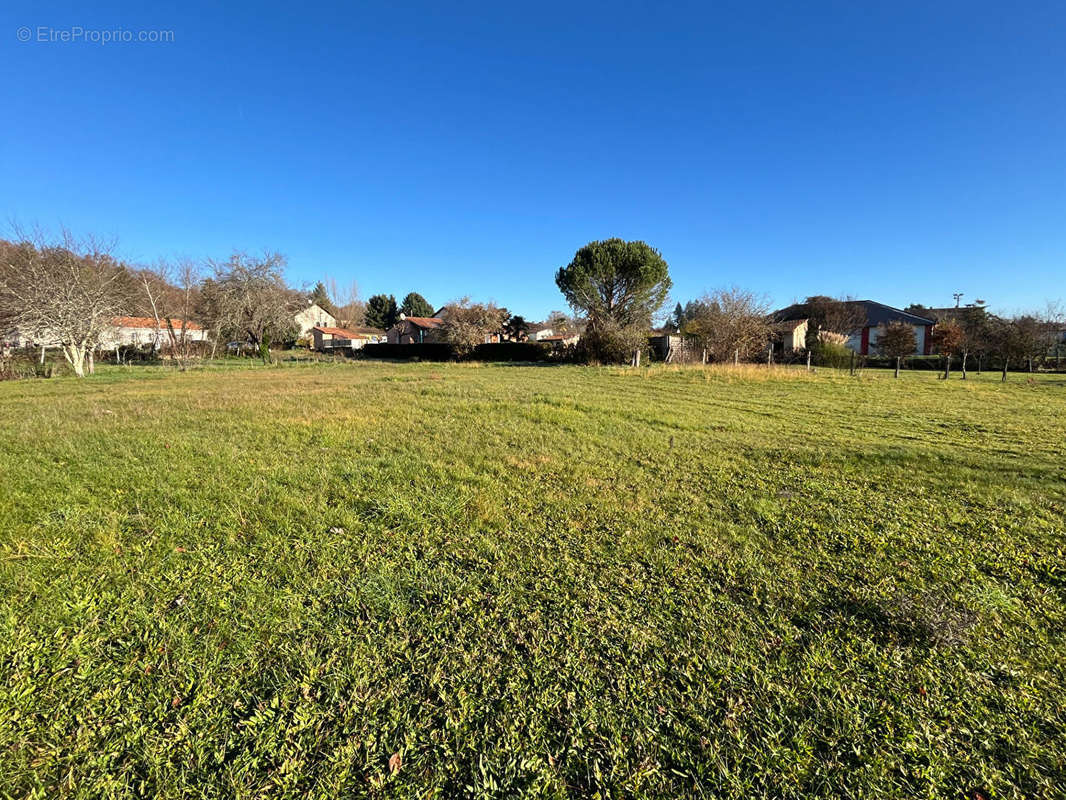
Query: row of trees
68,293
619,287
67,290
973,333
464,324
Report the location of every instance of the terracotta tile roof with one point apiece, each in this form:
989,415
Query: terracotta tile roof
364,331
331,331
349,333
425,322
149,322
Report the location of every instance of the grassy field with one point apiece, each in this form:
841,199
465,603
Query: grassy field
489,581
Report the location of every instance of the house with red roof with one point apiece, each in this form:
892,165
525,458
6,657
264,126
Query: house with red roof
328,338
417,330
134,331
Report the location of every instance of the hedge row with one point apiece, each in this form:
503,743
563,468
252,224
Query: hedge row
439,351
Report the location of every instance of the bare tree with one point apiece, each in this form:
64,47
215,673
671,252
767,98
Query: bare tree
209,310
248,295
172,291
1055,315
1031,337
153,282
10,256
973,321
730,323
351,311
975,335
560,322
1006,342
67,292
897,340
830,314
466,324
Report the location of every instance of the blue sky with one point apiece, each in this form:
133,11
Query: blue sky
896,151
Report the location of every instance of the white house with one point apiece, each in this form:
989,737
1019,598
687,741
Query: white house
328,338
307,318
864,338
537,333
19,338
123,332
559,339
791,333
132,331
417,330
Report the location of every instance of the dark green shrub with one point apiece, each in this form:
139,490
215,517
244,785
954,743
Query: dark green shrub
608,344
426,351
511,351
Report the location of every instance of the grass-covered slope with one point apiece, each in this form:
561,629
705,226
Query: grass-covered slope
443,581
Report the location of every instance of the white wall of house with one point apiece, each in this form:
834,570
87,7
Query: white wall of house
855,340
126,336
311,316
361,341
796,339
328,341
17,338
919,336
117,336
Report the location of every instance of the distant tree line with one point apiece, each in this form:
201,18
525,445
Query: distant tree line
1021,341
66,292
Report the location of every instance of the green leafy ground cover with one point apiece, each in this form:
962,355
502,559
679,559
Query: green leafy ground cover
447,580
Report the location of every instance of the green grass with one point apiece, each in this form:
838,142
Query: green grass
531,581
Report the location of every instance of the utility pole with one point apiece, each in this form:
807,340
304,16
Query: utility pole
958,298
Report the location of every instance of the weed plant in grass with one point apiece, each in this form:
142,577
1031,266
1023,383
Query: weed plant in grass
387,580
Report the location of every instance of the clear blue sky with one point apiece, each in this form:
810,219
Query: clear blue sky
896,151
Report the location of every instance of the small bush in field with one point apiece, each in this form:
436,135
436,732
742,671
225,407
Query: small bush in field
829,353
